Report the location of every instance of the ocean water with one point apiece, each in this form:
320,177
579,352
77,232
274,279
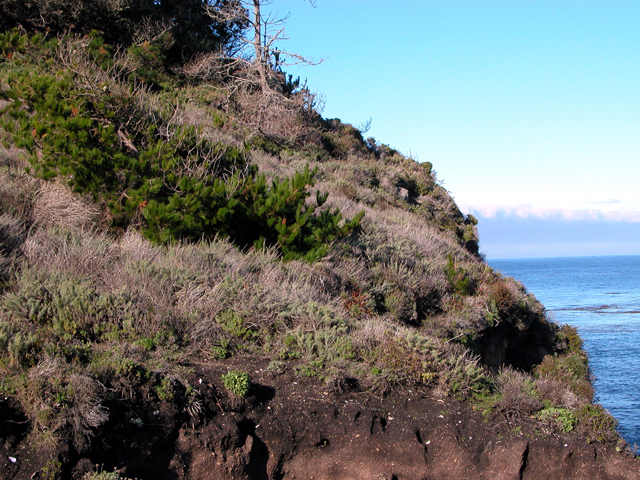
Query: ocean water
601,297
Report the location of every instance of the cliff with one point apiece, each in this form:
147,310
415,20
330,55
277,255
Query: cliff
204,278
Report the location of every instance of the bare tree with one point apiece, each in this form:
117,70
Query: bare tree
260,97
267,30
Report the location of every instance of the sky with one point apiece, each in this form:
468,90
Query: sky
529,110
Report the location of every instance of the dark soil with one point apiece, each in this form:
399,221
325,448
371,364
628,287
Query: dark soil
293,427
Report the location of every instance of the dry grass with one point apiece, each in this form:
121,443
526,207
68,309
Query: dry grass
11,157
56,400
12,236
17,192
81,254
556,392
55,205
283,119
519,395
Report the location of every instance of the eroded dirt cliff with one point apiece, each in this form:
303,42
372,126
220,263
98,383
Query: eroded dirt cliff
299,428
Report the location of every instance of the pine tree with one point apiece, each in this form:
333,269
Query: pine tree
169,185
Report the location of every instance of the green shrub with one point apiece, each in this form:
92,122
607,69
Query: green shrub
6,334
313,369
130,369
464,377
572,369
68,307
148,344
115,475
105,140
164,389
290,350
401,304
458,278
221,351
11,42
233,324
595,423
192,30
236,382
265,144
345,349
568,334
326,345
315,316
23,348
562,418
277,367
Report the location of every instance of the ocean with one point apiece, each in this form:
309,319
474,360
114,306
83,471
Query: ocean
600,296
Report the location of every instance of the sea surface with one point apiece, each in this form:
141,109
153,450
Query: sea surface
601,297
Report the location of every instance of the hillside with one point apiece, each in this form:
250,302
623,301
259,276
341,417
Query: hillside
204,278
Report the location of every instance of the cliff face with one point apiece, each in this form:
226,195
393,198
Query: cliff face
167,313
291,427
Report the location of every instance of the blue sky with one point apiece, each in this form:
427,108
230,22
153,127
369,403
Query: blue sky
528,110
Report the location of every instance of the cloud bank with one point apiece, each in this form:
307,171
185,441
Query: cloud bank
526,232
526,211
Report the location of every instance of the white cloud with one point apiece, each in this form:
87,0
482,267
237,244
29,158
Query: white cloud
527,211
612,201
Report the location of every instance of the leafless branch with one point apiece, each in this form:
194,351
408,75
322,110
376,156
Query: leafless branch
365,126
266,31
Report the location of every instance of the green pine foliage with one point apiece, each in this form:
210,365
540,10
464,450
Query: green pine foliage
288,222
105,141
11,41
459,279
186,26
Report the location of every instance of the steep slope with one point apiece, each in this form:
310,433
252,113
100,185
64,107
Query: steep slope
190,290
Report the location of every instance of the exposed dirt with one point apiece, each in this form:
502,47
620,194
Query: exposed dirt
293,427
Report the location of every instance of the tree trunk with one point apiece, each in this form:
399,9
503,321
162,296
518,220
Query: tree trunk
257,44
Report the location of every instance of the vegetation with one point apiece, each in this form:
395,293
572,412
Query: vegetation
179,28
237,383
84,125
151,219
